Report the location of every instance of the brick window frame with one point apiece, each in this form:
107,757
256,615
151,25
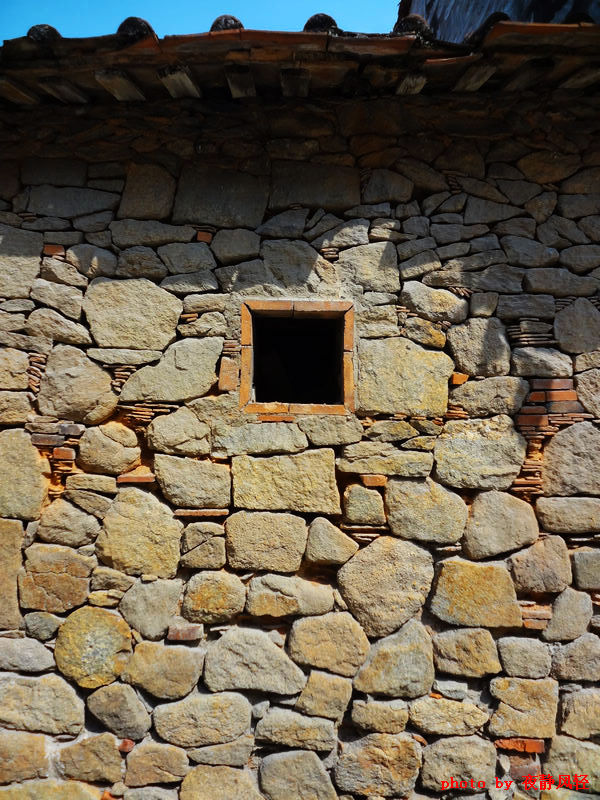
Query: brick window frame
324,309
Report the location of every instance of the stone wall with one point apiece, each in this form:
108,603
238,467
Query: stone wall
201,602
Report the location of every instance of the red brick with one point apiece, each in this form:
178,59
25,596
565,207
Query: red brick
126,745
530,419
374,480
521,745
53,250
536,397
47,440
148,478
552,383
458,378
533,410
229,375
204,236
564,394
535,624
64,453
185,633
569,407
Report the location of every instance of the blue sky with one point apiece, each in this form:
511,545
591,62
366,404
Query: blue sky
98,17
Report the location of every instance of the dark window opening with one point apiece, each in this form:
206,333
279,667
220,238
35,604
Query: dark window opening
298,360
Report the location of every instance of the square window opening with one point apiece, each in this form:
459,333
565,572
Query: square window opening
298,359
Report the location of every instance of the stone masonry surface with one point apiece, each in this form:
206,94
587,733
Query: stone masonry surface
204,601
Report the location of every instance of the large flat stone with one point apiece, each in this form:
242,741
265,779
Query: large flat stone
24,655
52,201
225,198
424,511
572,461
148,193
568,756
380,764
190,483
374,266
580,713
382,458
96,758
150,607
527,707
45,705
303,482
140,535
22,756
218,783
578,660
261,438
465,758
51,790
314,185
400,665
436,305
203,719
380,716
333,641
280,596
75,388
180,433
446,717
571,615
11,541
245,658
480,347
577,327
265,541
588,390
135,233
101,663
186,371
119,709
499,395
165,672
498,522
543,567
213,596
280,726
523,657
295,774
64,523
475,595
55,578
131,313
151,762
325,695
398,376
468,651
22,499
479,453
386,583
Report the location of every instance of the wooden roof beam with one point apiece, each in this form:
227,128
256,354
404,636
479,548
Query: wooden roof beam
63,90
411,83
16,93
474,77
240,80
178,82
119,85
582,78
294,82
